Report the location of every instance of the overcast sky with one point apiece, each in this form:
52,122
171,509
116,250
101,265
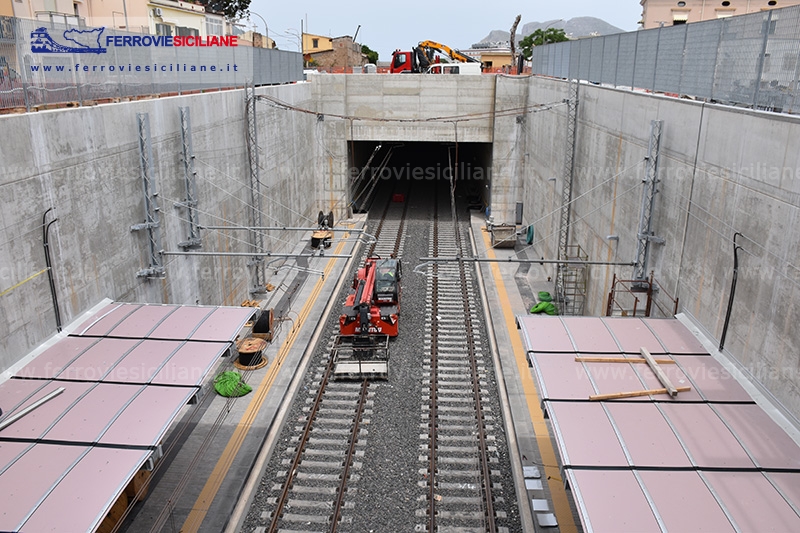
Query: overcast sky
386,27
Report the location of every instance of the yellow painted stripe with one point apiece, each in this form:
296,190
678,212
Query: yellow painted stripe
209,492
24,281
563,512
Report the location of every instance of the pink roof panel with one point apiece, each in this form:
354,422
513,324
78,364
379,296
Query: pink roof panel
613,501
675,337
94,363
49,363
561,378
14,392
632,334
148,416
684,503
708,441
222,322
102,322
585,435
647,436
181,324
88,419
30,477
191,363
788,483
590,335
36,423
713,381
618,377
144,361
82,499
767,442
142,321
753,502
675,375
545,334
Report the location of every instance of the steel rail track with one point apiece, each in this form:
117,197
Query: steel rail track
458,447
326,511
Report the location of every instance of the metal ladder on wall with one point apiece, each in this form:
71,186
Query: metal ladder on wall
573,281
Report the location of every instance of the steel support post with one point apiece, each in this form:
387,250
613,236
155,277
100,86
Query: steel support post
566,190
256,237
192,241
151,210
645,236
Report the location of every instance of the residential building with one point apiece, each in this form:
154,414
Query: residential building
171,17
316,43
6,8
657,13
493,55
256,40
343,53
73,12
156,17
126,15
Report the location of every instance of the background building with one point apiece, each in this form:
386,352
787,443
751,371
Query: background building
313,43
493,55
343,53
656,13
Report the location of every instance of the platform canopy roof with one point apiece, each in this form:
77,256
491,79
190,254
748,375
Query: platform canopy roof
708,459
122,377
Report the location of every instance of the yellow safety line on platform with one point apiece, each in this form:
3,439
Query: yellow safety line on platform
24,281
563,511
209,492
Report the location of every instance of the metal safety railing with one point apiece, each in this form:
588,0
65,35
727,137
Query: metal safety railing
749,60
44,62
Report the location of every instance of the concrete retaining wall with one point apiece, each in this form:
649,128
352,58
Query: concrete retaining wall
723,170
85,164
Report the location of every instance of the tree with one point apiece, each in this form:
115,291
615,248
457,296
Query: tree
372,55
513,39
540,37
232,9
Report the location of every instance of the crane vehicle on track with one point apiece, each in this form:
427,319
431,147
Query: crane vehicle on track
369,319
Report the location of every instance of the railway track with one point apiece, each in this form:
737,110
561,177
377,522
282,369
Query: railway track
458,453
424,451
323,456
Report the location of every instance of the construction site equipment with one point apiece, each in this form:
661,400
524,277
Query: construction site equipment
422,57
230,385
263,327
503,235
361,357
250,351
653,363
323,235
373,306
368,320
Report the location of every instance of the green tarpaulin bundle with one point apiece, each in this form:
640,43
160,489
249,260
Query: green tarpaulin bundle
230,385
544,307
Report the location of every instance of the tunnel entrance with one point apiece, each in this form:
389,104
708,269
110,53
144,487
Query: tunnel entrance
382,168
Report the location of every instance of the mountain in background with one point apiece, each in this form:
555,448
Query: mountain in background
574,28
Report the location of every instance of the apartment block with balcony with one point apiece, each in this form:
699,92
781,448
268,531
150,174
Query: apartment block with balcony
656,13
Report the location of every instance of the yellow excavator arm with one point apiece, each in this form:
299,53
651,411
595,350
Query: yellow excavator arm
453,54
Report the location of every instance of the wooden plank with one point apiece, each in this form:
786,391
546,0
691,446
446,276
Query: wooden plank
662,377
621,360
648,392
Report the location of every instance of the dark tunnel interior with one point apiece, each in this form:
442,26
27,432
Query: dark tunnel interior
380,168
